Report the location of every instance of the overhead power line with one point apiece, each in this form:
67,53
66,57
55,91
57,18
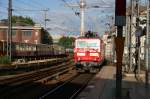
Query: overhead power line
66,3
2,12
29,5
30,10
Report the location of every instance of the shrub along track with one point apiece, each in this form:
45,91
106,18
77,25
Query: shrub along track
17,85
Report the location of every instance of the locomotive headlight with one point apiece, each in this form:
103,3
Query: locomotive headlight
93,54
80,54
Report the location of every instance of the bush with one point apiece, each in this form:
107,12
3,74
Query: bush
4,60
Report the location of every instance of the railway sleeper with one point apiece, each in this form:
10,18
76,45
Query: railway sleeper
54,76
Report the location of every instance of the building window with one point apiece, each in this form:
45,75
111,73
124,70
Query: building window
27,33
3,30
14,32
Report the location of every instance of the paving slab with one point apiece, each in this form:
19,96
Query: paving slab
102,86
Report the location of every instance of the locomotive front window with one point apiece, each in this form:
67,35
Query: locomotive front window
81,44
92,45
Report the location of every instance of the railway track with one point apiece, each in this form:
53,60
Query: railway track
26,80
69,89
54,82
20,68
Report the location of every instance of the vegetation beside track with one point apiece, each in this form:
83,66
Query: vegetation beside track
4,60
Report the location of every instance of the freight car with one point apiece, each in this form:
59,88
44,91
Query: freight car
32,51
88,54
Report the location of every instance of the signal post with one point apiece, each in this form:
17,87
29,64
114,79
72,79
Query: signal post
120,21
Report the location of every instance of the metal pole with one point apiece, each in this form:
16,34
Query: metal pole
10,26
45,16
147,43
7,44
111,43
120,21
82,8
109,30
130,36
3,46
119,67
8,34
3,50
138,38
126,42
46,19
137,59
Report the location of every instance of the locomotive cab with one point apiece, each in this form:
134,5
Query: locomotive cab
88,54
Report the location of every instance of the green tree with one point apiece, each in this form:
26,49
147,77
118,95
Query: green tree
46,37
20,20
67,42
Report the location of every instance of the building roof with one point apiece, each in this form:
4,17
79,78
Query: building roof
22,27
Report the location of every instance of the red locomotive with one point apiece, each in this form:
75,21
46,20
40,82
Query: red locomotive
88,53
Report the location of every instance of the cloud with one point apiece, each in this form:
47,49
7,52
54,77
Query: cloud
67,23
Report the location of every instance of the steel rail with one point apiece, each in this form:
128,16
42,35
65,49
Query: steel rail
32,77
24,75
79,90
65,83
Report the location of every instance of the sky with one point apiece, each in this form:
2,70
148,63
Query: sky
63,20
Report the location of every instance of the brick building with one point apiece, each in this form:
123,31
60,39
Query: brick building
23,34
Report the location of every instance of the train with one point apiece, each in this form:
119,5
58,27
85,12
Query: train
88,53
31,51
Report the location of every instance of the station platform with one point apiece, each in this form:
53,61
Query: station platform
102,86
